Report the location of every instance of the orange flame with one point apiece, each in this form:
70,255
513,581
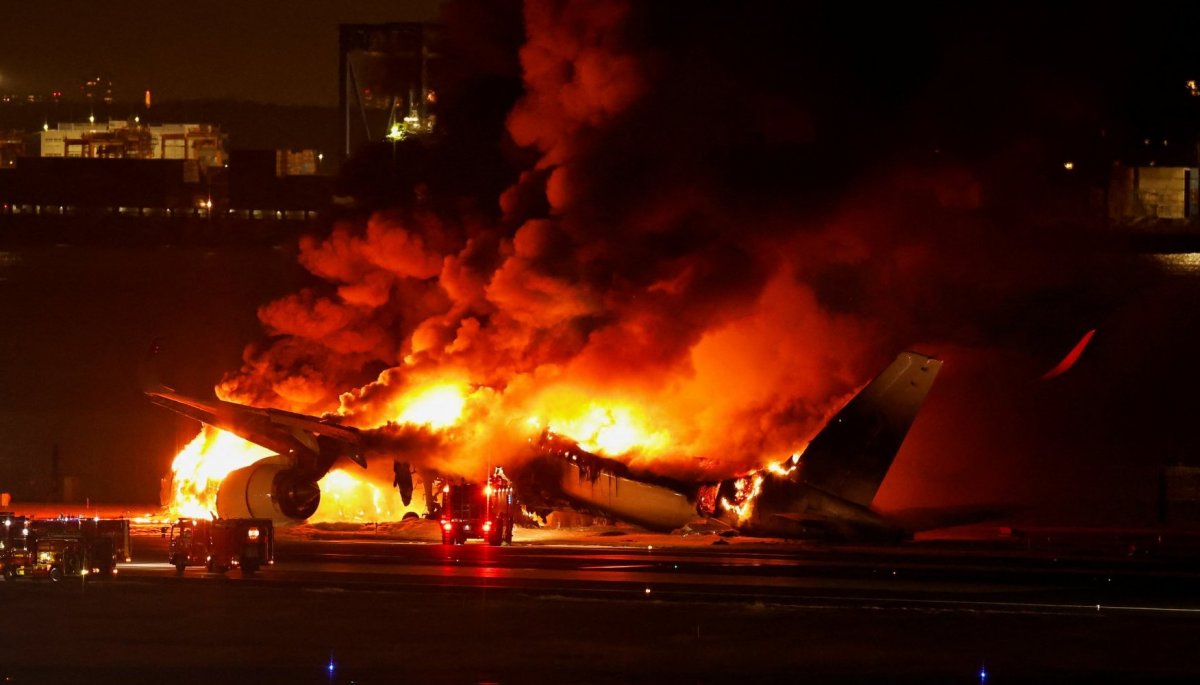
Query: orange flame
348,496
749,487
198,469
438,406
468,416
747,490
611,431
203,464
611,428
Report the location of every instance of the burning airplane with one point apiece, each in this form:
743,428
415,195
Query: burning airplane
640,317
826,491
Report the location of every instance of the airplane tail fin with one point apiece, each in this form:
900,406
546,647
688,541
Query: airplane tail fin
853,452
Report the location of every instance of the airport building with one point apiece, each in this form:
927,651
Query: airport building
203,143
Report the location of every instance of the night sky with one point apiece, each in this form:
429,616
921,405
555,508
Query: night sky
659,172
270,51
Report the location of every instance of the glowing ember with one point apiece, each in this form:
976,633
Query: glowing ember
439,406
200,467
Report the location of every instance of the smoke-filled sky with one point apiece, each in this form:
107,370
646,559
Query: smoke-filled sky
725,223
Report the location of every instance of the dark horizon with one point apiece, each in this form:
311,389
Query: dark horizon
272,51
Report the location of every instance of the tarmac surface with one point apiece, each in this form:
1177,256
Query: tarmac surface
612,607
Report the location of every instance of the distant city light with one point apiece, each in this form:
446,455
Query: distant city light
1192,89
91,118
1068,165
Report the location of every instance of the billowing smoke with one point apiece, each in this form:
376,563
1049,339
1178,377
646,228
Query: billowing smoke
696,250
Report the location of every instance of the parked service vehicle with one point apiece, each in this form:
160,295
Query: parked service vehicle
472,510
221,544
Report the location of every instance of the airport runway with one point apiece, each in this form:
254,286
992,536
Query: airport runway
403,612
914,575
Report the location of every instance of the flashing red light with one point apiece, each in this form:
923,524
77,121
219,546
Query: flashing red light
487,525
447,525
446,489
252,534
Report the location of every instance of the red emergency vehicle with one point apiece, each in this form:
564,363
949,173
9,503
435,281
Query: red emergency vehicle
60,547
478,511
221,544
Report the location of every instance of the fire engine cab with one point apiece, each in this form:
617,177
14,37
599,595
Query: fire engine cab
221,544
479,511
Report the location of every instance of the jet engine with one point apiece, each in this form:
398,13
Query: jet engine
270,488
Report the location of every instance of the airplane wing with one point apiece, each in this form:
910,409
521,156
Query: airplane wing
311,443
285,433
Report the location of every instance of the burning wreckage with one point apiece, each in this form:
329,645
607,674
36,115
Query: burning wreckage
825,492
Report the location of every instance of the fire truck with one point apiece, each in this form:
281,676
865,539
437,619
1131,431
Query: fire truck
15,552
105,542
221,544
62,547
478,511
58,556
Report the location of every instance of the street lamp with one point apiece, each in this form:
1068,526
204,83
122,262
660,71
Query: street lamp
395,134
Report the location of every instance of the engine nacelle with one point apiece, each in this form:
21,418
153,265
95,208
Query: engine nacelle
268,489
